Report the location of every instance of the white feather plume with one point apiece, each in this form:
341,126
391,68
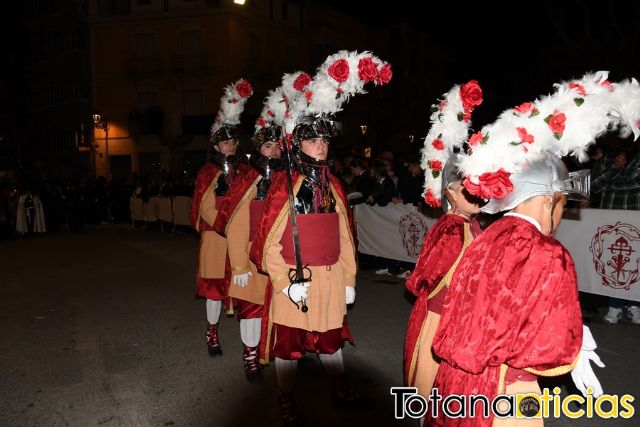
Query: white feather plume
326,94
273,111
591,106
231,106
447,132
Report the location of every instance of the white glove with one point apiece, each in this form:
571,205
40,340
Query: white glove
242,280
297,291
350,294
583,375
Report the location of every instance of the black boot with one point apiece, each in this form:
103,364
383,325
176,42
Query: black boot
289,409
212,341
343,393
251,365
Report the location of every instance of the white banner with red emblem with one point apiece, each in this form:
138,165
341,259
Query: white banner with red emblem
605,246
395,231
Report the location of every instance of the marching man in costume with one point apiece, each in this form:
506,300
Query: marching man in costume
512,311
446,241
212,185
306,240
239,221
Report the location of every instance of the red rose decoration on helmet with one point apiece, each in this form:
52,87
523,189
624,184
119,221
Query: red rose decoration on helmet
471,95
476,138
556,123
579,88
385,74
491,185
339,70
244,89
436,165
431,200
367,69
438,144
524,136
301,82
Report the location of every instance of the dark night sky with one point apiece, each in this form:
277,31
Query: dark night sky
519,49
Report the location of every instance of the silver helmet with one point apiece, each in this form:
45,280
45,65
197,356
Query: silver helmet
542,177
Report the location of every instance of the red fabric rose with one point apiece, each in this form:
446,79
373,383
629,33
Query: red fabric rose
580,88
271,113
436,165
385,74
367,69
431,200
524,136
261,122
491,185
437,144
557,122
608,85
476,138
467,116
244,89
471,95
524,108
301,82
308,94
339,70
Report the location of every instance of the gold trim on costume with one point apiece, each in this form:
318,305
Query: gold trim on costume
209,188
468,238
244,198
414,356
281,216
553,372
246,267
502,379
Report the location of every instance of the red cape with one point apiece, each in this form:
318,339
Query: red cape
513,302
205,177
440,249
244,180
277,199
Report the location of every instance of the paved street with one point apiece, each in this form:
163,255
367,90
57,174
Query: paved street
102,328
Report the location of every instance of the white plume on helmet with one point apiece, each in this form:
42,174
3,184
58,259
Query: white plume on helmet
565,122
232,104
449,130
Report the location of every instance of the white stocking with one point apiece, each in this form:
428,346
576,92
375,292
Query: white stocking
250,331
286,372
213,311
333,363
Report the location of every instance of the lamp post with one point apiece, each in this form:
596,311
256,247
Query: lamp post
101,122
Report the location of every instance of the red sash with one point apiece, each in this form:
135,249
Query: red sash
319,239
255,214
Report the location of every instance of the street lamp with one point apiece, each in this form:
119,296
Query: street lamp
101,122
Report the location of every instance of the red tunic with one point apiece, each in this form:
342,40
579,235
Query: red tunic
440,249
512,303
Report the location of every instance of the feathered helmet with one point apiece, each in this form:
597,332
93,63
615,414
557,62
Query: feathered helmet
518,156
341,76
227,122
450,120
269,124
